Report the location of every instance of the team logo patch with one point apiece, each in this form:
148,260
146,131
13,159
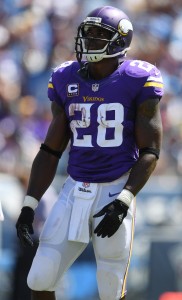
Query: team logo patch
72,89
95,87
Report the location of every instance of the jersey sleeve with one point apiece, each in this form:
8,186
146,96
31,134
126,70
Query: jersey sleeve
52,94
148,82
153,87
58,81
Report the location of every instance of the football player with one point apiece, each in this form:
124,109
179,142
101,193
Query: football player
108,108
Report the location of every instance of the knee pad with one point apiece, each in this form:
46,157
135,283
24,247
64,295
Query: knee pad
110,284
43,274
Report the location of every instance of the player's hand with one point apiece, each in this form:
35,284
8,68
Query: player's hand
114,214
24,226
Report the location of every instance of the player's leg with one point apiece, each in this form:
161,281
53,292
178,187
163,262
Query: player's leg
55,253
113,257
43,295
50,264
113,254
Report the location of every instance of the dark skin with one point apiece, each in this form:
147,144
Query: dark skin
148,133
57,139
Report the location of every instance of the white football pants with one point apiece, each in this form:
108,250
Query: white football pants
57,251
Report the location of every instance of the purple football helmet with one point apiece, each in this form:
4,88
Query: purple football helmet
116,22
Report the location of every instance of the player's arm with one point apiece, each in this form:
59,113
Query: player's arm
43,171
148,133
45,163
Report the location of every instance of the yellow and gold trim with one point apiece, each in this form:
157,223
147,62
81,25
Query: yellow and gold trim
154,84
123,292
50,85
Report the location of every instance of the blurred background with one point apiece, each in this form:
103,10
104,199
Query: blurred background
36,36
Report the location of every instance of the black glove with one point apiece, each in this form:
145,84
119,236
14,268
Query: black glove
114,213
24,226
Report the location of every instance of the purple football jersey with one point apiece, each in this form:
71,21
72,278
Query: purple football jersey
101,116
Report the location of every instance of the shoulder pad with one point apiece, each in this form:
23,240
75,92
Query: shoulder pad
67,65
139,69
64,71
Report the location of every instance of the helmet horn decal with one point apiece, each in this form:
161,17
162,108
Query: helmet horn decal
124,26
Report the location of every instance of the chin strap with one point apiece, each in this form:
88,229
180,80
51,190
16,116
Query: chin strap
83,71
79,57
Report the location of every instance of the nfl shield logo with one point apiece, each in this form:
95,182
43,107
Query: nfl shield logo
95,87
85,184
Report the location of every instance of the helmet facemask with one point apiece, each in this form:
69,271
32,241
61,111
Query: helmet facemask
114,43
